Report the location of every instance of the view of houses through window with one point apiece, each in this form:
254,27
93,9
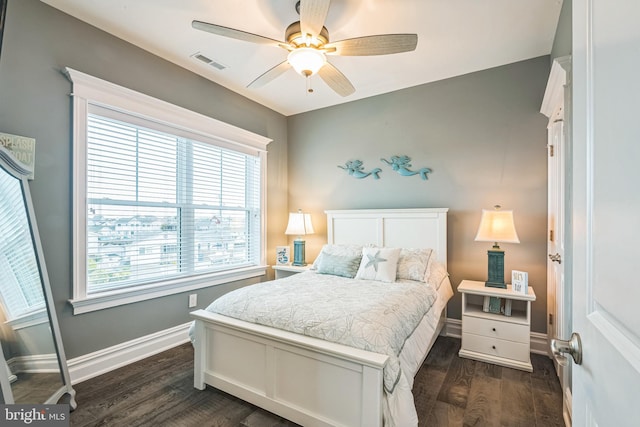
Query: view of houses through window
162,206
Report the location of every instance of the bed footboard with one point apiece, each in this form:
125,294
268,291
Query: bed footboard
303,379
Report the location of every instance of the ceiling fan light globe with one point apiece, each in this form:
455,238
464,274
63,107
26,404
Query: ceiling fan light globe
306,60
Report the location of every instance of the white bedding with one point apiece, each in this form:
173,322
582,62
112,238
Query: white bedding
400,408
361,313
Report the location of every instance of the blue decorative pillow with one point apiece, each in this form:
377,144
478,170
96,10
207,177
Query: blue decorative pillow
339,265
338,250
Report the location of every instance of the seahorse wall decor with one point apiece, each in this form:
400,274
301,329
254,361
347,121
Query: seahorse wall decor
356,170
401,164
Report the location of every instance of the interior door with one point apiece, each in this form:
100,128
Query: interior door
557,323
556,105
606,211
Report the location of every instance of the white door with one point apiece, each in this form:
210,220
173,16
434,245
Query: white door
557,323
606,211
556,106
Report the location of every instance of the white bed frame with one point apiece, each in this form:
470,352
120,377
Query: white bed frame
307,380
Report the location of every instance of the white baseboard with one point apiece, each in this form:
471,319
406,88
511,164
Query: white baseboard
39,363
539,343
454,328
102,361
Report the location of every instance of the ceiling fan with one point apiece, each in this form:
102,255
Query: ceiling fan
308,44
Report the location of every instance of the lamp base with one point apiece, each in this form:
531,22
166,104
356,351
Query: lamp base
495,285
495,269
298,253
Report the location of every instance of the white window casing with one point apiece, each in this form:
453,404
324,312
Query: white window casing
173,144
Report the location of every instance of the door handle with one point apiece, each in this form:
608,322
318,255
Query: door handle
556,258
572,347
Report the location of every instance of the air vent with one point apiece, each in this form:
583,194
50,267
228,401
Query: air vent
200,57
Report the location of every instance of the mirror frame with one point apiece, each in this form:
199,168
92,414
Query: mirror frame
15,168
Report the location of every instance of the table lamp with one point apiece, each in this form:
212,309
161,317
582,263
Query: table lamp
496,226
299,225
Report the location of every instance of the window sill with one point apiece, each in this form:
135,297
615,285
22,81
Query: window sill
114,299
32,319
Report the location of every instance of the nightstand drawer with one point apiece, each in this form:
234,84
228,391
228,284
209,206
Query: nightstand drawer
496,347
496,329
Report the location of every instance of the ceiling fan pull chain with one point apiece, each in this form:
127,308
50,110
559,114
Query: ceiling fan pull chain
309,88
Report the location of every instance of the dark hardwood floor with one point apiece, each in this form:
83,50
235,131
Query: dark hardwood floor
448,391
31,387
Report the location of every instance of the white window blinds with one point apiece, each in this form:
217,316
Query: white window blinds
20,285
161,205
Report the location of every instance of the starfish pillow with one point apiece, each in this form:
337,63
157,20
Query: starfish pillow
379,264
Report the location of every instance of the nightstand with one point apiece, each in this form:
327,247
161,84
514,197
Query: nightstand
283,271
494,337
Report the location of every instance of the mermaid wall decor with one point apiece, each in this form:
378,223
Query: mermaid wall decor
401,164
355,168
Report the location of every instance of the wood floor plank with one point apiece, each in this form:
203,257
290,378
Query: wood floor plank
517,404
488,370
426,386
262,418
202,408
455,389
445,415
484,403
444,350
548,409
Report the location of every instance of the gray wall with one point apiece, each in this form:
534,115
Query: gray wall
481,134
38,42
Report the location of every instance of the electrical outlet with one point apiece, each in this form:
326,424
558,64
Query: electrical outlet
193,300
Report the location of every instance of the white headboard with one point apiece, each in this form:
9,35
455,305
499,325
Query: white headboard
399,228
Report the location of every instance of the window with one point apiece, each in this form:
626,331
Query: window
166,201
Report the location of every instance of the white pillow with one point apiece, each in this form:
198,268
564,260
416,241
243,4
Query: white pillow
436,272
412,264
379,264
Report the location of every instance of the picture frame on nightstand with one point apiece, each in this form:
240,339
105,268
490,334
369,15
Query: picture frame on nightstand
520,281
283,255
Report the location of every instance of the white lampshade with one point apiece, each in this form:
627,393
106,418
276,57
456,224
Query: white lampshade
299,224
497,226
306,60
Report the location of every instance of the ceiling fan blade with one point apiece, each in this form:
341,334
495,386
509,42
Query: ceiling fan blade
269,75
336,80
313,13
381,44
233,33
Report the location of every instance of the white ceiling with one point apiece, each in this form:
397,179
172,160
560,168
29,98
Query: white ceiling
455,37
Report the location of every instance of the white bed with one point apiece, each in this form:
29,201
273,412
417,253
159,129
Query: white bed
315,382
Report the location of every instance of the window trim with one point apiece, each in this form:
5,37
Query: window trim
92,91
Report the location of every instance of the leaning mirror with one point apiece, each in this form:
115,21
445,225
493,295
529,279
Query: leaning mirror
33,367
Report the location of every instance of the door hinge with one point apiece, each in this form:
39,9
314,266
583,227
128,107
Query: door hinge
550,319
550,150
551,235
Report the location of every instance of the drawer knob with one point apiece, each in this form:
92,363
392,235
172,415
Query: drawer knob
493,347
493,329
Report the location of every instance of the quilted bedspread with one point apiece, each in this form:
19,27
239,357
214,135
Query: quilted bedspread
369,315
